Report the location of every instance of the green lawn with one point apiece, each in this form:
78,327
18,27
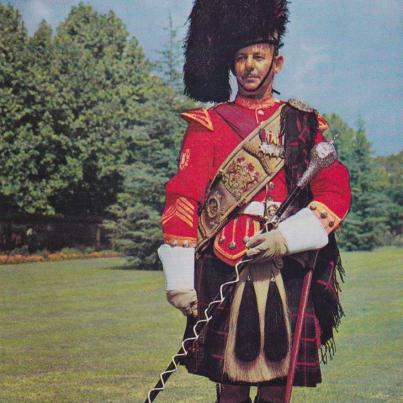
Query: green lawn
91,331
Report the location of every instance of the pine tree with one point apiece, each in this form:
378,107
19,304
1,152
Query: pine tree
388,172
170,60
366,225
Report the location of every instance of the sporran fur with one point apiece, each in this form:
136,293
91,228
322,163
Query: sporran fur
260,369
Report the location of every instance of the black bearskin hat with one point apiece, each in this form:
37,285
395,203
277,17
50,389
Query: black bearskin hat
218,28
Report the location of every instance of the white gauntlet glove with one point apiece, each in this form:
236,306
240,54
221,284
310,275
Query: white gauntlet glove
178,265
184,299
301,232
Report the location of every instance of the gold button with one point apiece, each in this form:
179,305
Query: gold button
323,214
271,185
245,239
331,223
312,206
269,199
232,245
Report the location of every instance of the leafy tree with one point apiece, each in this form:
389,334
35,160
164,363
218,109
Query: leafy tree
13,93
28,167
91,107
68,105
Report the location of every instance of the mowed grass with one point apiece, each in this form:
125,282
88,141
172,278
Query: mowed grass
94,331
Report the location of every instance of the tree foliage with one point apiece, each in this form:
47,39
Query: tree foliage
68,105
87,127
136,215
170,61
371,221
388,172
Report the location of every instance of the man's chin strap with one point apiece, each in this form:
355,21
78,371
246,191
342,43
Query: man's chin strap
264,79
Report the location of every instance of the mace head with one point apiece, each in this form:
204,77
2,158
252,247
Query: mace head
323,154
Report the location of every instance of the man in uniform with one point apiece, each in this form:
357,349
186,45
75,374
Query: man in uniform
239,160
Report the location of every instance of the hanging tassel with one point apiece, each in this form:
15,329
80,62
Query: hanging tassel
275,333
247,341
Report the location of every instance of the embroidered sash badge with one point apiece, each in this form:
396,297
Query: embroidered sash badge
240,177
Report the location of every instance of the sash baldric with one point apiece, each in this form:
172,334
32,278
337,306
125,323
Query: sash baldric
251,165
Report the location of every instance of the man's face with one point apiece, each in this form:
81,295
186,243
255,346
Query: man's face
252,67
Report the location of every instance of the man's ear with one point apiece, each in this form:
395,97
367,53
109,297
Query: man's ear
278,63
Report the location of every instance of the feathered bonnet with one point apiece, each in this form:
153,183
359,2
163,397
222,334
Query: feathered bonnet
217,29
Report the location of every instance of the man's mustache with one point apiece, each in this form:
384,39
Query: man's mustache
251,76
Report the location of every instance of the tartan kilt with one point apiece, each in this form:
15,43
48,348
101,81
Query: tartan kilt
206,356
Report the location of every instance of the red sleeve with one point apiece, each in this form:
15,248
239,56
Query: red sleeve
331,195
330,188
185,190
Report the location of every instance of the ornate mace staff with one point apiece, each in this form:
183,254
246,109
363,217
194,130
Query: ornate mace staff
322,155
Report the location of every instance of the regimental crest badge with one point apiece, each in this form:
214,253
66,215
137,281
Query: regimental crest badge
240,177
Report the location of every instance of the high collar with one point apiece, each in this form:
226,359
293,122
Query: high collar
251,103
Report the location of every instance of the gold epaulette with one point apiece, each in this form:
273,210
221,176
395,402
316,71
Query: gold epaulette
200,115
300,105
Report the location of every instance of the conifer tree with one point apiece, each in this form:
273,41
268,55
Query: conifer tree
170,62
366,225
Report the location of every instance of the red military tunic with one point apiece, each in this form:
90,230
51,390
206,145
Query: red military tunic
207,143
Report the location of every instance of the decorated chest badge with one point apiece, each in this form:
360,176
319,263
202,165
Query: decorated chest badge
270,144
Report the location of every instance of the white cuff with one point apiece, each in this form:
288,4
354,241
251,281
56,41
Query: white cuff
303,231
178,265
